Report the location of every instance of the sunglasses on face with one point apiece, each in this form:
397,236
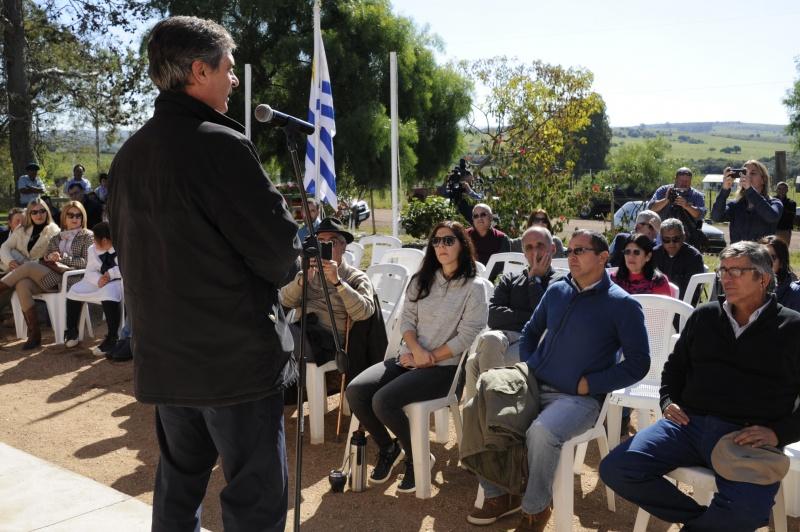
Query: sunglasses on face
480,214
540,220
577,251
443,241
683,174
36,212
633,251
673,240
77,215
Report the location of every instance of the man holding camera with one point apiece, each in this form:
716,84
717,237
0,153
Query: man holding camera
349,288
683,202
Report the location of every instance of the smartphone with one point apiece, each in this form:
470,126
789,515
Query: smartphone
326,250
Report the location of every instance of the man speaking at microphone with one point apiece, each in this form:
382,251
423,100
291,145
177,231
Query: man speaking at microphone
204,239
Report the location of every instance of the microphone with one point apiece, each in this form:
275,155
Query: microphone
268,115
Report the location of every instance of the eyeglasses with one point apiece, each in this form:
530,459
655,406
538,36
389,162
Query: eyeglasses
673,240
683,173
77,215
577,251
632,251
722,271
36,212
480,214
443,241
645,224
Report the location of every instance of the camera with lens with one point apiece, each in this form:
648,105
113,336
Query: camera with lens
453,185
738,172
673,194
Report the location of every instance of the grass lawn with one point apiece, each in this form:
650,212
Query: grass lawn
755,148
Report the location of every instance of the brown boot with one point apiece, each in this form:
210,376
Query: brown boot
34,334
493,509
535,522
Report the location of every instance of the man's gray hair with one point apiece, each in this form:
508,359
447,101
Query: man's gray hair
177,42
673,224
599,242
757,253
539,229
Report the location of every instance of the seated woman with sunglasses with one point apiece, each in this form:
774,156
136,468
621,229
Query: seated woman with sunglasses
66,250
445,308
787,289
28,242
637,274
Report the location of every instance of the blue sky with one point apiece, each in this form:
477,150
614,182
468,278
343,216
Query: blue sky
653,62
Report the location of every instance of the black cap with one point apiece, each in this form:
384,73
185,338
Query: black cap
334,225
32,166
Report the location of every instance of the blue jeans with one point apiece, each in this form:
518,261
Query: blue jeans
563,416
636,467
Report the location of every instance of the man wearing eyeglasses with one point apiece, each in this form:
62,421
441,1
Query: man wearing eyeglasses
587,319
683,202
734,370
675,258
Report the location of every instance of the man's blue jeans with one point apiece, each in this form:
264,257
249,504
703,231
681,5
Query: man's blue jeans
563,416
636,467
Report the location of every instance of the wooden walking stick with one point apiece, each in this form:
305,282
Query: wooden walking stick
341,384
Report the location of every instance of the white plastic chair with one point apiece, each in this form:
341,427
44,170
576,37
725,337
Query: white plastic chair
570,462
560,264
481,269
697,280
390,282
659,312
791,483
512,263
349,258
409,257
674,290
380,244
703,484
56,308
358,253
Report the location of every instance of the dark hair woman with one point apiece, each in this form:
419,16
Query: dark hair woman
445,308
784,275
637,274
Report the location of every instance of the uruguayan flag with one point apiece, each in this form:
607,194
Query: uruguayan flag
320,177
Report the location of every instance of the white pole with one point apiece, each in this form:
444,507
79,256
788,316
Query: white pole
248,78
395,141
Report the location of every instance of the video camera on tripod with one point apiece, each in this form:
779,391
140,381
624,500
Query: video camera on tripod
453,185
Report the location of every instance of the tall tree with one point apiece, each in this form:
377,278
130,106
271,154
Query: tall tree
276,39
592,143
528,123
792,103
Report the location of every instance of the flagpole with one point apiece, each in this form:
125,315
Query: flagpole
395,139
248,80
318,85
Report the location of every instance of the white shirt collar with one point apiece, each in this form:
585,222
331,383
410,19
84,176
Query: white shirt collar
739,329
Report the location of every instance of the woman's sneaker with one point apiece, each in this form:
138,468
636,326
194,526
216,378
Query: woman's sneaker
387,459
407,483
71,338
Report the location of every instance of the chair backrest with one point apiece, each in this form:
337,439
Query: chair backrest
659,313
409,257
696,280
489,287
389,282
674,290
358,253
380,243
349,258
560,264
512,263
481,269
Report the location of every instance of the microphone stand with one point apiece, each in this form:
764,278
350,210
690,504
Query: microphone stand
310,249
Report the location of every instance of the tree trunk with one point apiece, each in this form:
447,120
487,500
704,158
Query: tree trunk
19,99
97,145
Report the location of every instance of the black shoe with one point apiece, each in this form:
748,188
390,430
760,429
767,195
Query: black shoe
108,344
387,459
407,484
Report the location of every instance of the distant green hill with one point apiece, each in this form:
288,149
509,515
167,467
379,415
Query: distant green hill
701,140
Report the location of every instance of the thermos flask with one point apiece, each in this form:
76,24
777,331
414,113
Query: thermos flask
358,461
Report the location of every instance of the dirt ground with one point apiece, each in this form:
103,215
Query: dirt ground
76,410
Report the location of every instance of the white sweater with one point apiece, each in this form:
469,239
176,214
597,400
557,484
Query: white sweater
18,241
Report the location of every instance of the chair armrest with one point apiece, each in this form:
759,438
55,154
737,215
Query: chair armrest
66,275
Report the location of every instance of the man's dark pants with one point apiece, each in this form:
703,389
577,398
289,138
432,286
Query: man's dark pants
249,437
636,467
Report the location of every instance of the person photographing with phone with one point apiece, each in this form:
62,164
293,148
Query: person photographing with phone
350,291
753,214
511,306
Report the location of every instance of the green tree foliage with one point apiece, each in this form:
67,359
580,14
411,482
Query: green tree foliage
792,103
419,217
276,38
529,122
643,166
592,144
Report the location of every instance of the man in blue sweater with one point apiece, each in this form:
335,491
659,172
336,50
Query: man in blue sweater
588,320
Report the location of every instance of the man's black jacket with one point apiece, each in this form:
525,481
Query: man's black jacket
750,380
515,299
203,239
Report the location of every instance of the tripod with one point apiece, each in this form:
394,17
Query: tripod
311,249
